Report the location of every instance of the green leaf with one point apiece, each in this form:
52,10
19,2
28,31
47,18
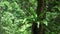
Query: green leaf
45,22
33,12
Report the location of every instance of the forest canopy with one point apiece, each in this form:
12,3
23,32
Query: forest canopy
18,16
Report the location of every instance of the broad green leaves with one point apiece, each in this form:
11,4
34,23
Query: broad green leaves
45,22
33,12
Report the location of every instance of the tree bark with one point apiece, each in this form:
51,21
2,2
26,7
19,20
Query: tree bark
40,9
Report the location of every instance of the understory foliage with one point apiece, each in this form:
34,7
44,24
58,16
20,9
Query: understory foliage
16,16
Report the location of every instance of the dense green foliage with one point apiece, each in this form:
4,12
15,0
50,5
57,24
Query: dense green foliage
53,17
17,16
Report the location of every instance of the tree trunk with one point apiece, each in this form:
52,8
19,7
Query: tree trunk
40,9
